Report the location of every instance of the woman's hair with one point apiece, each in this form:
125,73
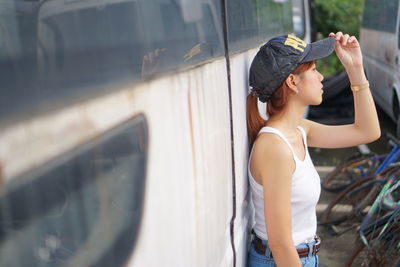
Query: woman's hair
275,104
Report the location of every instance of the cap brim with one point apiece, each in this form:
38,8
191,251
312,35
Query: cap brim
320,49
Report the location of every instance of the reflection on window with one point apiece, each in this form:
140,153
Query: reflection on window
56,50
251,22
380,15
298,18
83,209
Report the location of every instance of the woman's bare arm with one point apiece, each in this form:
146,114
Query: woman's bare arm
274,165
366,127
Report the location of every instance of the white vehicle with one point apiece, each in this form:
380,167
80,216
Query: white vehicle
380,43
123,135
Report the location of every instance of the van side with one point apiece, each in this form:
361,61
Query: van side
380,43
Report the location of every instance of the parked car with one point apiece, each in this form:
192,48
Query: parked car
380,43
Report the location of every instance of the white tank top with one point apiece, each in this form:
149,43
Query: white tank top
306,189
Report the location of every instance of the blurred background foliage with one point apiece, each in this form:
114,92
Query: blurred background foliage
334,16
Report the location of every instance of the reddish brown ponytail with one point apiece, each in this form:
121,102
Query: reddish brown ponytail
254,120
275,104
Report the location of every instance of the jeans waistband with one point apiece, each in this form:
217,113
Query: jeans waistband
304,249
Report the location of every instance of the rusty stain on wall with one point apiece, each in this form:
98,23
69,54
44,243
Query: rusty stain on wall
192,133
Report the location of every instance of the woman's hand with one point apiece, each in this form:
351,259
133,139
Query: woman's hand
348,50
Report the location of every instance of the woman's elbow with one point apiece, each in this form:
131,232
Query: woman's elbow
369,132
373,135
378,133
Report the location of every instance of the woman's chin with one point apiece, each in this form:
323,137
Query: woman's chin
317,102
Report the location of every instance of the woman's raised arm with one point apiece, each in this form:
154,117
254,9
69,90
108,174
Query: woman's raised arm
366,127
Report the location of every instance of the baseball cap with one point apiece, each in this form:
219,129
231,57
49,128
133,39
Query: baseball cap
279,57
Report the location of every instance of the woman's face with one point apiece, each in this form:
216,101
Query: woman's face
310,86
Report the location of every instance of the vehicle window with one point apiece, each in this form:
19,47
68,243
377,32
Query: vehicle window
380,15
82,209
253,22
52,52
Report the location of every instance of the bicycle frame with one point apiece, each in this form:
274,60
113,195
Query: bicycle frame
375,207
392,157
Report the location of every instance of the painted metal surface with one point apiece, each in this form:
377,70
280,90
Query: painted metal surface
380,52
240,64
188,202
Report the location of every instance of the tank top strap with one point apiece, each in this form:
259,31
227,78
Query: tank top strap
267,129
304,135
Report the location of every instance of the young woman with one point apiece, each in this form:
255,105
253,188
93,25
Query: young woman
285,186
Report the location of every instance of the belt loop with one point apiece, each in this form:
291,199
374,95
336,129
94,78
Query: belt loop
310,249
268,251
250,239
316,242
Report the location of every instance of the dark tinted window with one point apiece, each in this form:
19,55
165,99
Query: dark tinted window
82,209
251,22
380,15
65,49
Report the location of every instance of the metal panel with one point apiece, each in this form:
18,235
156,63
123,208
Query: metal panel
188,207
240,64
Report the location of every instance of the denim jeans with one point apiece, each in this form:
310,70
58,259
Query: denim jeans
257,260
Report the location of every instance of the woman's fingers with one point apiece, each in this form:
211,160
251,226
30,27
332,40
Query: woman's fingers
345,39
339,36
353,41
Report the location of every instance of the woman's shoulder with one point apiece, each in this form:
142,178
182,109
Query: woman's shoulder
270,154
269,145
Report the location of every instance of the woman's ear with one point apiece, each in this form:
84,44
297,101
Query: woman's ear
291,82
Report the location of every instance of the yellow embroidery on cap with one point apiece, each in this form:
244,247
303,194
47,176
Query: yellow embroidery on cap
295,42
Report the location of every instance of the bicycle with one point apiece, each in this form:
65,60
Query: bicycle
380,235
354,168
352,202
384,244
359,166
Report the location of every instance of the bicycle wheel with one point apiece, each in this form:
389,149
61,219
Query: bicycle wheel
350,171
362,256
342,207
381,252
351,202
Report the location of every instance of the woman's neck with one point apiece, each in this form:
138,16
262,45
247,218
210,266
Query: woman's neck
288,119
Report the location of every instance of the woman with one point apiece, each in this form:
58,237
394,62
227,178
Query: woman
284,184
